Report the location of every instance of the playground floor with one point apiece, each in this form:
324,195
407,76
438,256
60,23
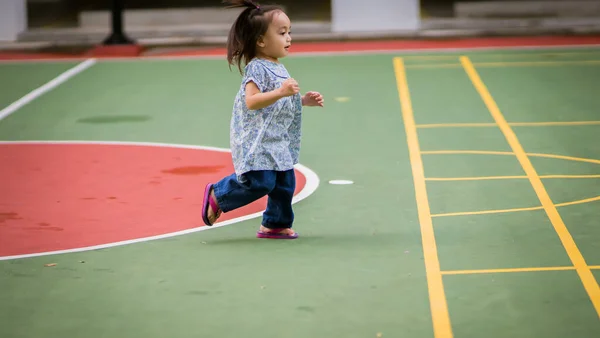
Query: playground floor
472,212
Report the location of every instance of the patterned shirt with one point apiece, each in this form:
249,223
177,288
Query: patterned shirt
267,138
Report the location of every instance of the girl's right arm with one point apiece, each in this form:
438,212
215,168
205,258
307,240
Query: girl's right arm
256,100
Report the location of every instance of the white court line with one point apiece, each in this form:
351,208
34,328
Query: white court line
440,50
46,88
312,183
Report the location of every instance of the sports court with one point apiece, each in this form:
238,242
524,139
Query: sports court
473,210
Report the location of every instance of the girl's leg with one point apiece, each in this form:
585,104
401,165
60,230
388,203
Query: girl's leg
279,216
230,193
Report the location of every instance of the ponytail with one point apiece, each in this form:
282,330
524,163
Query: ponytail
241,3
250,25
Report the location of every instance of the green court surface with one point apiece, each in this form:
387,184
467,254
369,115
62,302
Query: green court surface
473,212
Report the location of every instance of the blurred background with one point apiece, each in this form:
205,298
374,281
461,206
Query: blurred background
72,23
359,271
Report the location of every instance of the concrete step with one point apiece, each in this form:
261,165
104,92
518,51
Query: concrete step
481,23
315,31
162,17
95,34
548,8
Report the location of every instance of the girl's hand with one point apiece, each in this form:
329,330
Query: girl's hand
313,99
289,87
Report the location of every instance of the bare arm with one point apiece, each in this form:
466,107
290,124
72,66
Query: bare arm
257,100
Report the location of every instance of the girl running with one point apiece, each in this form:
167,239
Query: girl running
265,127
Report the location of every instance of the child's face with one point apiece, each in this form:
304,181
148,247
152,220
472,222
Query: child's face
276,41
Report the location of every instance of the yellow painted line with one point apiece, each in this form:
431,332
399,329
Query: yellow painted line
437,298
587,200
433,66
455,125
489,178
476,178
567,158
470,272
485,212
539,269
507,64
461,152
546,124
430,57
501,211
570,176
514,124
502,55
537,63
493,152
583,270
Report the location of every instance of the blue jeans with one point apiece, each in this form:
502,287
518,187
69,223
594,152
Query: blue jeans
279,186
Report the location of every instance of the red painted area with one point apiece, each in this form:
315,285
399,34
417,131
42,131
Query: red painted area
57,197
374,45
417,44
7,55
115,51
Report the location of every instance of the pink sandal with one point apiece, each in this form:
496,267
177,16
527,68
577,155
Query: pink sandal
276,234
209,201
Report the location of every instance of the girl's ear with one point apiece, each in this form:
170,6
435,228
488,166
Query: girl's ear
260,42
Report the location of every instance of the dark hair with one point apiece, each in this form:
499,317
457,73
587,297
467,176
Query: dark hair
249,26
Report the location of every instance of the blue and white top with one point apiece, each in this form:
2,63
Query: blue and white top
267,138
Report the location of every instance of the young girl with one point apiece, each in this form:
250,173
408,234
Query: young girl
265,126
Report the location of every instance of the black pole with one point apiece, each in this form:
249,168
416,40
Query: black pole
117,36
